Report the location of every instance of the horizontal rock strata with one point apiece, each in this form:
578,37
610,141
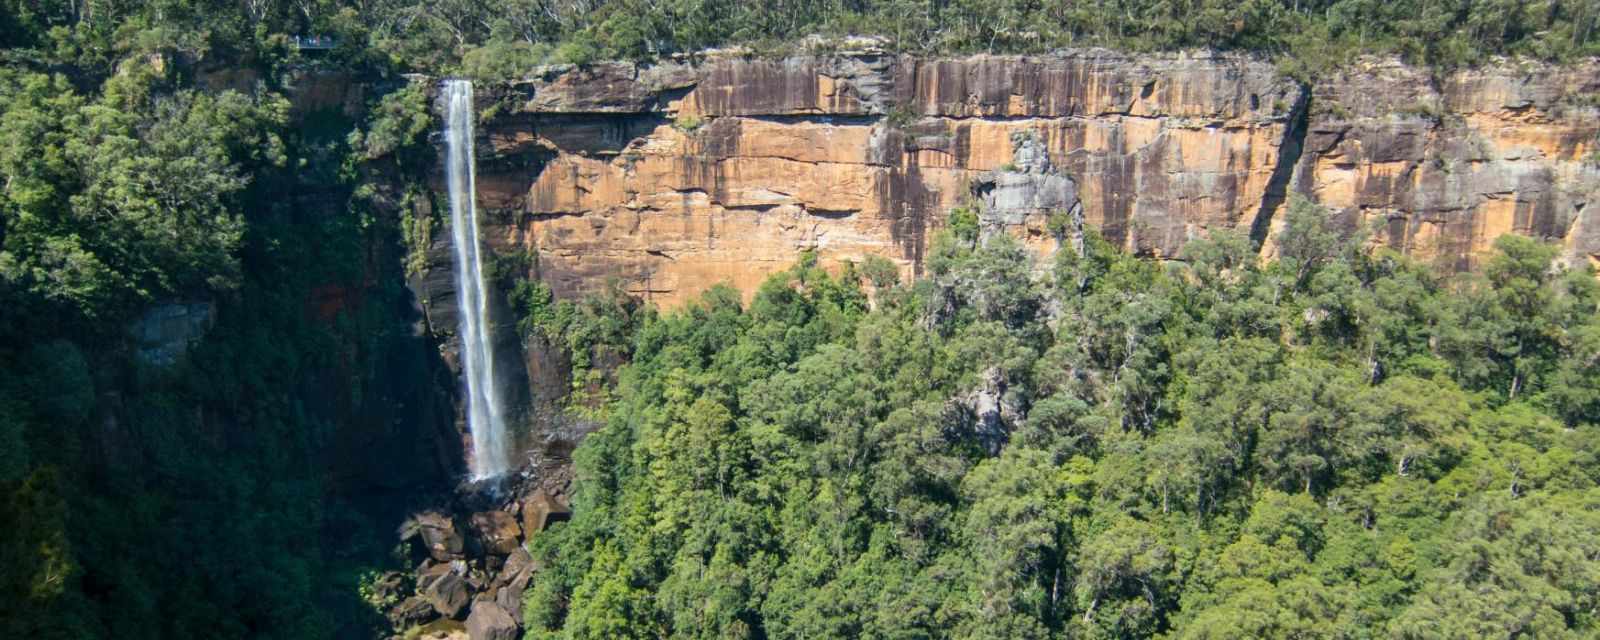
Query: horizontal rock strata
678,176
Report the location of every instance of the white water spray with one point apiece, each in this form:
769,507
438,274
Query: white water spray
484,420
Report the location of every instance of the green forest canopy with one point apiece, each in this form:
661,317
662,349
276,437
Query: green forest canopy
1335,444
494,36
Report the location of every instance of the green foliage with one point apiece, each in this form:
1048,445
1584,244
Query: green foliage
1306,37
499,61
1313,446
1333,443
963,224
596,328
687,123
148,501
901,116
881,272
117,200
397,126
378,599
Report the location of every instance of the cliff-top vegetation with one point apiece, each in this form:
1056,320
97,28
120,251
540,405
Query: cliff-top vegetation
497,37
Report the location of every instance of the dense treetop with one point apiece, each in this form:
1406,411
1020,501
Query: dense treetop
1334,444
498,37
166,502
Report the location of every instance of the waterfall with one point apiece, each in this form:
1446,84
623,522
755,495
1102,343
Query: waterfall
484,420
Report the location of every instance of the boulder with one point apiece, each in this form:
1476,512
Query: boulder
518,563
498,531
477,578
447,591
510,596
438,534
512,580
411,612
429,571
438,630
539,510
490,622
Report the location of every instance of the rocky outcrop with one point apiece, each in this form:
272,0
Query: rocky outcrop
539,510
681,175
678,175
411,612
471,564
445,587
498,531
437,533
490,622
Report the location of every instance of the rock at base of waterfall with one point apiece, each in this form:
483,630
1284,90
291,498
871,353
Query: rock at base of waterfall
489,621
436,630
518,564
446,589
539,510
438,534
512,581
411,612
498,532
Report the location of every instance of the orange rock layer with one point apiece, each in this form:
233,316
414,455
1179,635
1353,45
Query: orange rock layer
676,177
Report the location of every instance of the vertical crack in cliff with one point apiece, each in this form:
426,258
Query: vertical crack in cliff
1294,142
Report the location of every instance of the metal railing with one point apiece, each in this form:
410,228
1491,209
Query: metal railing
318,43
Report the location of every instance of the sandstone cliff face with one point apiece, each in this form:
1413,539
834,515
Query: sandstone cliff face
1443,166
677,176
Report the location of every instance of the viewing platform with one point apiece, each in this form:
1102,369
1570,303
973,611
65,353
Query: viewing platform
314,43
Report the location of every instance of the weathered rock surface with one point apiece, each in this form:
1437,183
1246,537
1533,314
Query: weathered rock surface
478,589
1443,166
1027,187
445,587
539,510
411,612
438,534
678,176
490,622
498,531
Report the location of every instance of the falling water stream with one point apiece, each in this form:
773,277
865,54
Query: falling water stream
484,419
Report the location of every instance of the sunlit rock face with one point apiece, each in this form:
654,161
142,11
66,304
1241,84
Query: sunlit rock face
677,176
1441,166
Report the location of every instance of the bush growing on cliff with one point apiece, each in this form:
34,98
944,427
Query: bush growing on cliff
398,126
499,61
963,224
1326,443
